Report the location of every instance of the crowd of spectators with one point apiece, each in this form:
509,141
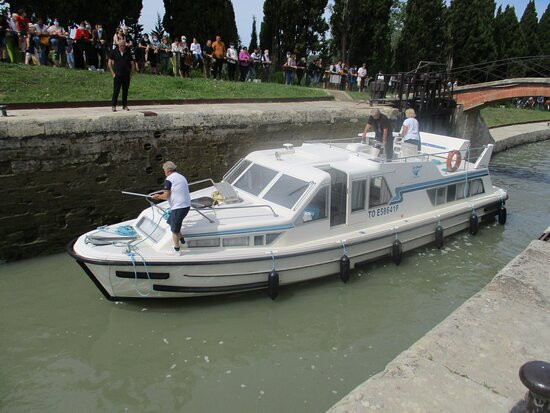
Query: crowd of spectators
83,46
533,102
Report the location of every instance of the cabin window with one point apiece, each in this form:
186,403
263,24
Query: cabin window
236,242
255,179
379,192
431,195
441,195
460,193
317,207
258,240
270,238
451,193
203,242
475,187
358,193
286,191
236,171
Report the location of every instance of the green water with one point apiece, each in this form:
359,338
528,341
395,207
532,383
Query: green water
64,348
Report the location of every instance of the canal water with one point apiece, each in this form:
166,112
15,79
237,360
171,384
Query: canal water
65,348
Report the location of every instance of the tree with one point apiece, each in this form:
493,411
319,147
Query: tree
203,20
361,32
471,31
528,26
544,31
397,20
159,28
509,40
423,34
293,26
253,36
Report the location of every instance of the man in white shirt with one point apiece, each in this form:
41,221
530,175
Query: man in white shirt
176,191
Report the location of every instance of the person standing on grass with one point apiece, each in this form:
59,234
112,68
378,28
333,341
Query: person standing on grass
120,66
244,62
218,53
266,65
176,192
197,53
232,62
208,59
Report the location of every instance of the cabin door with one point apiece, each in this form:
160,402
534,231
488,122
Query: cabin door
338,196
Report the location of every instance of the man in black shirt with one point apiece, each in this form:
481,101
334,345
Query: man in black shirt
382,132
120,65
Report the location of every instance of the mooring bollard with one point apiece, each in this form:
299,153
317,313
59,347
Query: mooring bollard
535,375
3,110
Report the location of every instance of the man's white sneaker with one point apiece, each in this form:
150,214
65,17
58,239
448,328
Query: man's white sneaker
175,252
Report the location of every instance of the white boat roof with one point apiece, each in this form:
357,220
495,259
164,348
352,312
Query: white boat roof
353,158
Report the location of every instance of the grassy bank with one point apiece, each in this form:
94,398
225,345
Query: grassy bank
29,84
509,116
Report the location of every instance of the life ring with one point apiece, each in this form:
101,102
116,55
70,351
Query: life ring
453,160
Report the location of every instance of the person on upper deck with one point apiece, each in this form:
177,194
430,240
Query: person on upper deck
410,131
382,132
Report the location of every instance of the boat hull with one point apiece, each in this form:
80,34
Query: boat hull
190,276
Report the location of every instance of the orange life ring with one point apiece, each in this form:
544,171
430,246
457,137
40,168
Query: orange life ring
453,160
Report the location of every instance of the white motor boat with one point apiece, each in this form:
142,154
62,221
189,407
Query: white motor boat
292,214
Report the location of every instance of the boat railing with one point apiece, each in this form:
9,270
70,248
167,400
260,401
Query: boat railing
470,156
203,181
250,206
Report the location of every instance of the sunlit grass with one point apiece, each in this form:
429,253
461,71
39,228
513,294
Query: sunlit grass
30,84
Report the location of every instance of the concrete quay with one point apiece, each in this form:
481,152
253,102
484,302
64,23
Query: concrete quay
470,361
507,137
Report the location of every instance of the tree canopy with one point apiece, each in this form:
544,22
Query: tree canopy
361,32
293,26
423,34
253,36
471,30
203,20
544,31
528,25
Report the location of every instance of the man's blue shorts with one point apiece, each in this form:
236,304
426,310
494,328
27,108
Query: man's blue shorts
176,218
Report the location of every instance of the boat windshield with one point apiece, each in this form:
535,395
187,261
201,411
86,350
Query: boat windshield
236,171
255,179
286,191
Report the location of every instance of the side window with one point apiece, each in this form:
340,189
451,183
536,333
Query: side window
317,208
441,195
358,193
475,187
451,193
460,190
379,192
431,195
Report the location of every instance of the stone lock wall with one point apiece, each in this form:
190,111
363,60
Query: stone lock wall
61,177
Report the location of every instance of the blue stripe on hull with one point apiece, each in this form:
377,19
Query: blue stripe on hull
400,190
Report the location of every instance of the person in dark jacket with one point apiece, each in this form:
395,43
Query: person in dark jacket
120,65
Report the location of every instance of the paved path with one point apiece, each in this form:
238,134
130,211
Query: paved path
509,136
185,108
470,361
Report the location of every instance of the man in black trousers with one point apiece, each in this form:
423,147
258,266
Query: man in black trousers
120,65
